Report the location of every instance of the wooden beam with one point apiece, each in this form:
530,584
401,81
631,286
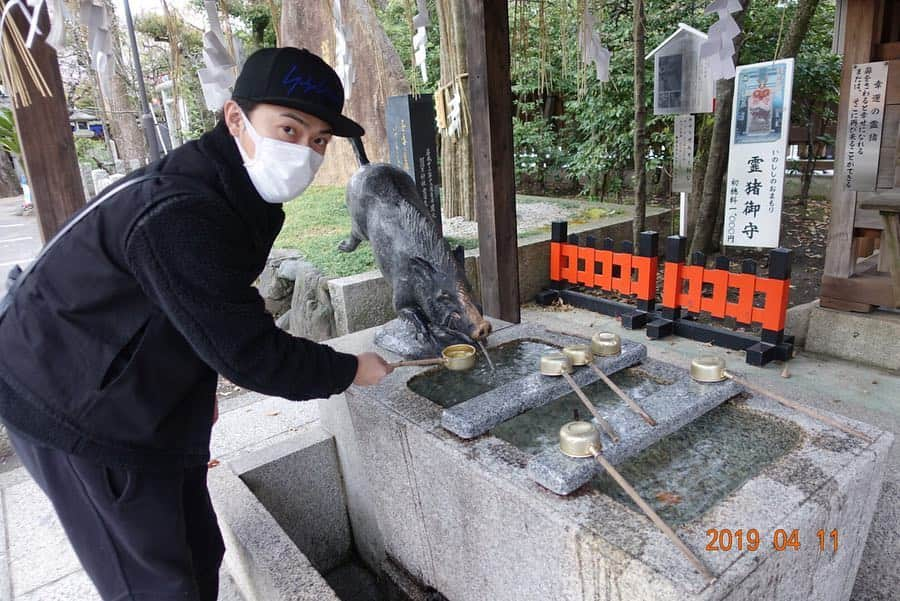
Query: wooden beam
887,51
858,38
46,140
490,99
892,89
871,289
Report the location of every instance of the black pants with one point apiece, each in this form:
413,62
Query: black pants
141,536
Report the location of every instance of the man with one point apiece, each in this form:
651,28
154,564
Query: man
110,350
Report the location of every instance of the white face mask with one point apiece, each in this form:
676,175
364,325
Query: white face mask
280,171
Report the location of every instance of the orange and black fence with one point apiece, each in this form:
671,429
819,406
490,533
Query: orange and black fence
688,290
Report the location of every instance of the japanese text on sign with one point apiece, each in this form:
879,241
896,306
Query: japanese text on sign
684,153
865,118
760,122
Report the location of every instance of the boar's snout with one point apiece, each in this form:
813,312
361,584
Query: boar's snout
481,330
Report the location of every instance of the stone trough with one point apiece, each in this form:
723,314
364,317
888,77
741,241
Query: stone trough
478,517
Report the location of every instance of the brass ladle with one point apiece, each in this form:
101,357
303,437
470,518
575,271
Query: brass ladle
457,357
711,368
582,354
581,439
557,364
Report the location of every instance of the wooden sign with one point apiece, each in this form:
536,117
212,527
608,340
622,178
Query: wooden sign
865,121
684,153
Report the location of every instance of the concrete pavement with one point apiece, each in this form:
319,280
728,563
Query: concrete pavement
37,562
20,241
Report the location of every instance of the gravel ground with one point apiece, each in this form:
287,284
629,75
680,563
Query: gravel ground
528,217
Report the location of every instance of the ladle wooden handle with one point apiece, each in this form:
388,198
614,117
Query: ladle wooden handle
658,521
435,361
800,407
621,393
590,407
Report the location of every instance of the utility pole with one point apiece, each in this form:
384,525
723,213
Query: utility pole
45,135
146,118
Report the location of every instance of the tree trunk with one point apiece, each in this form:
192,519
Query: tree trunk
9,181
174,30
799,27
640,124
796,34
701,160
717,161
457,168
123,107
379,74
814,125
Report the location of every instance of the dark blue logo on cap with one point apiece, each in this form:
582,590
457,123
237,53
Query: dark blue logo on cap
292,80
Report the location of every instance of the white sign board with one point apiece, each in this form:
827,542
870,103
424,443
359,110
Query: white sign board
865,120
760,122
684,153
682,82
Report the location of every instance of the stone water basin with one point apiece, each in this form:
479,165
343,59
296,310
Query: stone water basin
688,472
538,429
512,361
468,516
476,401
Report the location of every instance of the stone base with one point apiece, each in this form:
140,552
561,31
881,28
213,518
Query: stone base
400,337
869,338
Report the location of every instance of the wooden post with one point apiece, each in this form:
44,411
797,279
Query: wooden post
492,145
46,140
858,39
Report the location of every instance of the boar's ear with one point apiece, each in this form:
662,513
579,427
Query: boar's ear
459,253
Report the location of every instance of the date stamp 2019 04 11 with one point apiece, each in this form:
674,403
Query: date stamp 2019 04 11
725,539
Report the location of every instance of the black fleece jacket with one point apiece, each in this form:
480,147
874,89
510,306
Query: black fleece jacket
111,346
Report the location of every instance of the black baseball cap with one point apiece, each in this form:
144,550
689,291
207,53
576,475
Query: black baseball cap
296,78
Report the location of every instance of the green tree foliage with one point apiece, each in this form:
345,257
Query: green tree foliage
569,125
395,16
251,22
9,138
574,124
155,58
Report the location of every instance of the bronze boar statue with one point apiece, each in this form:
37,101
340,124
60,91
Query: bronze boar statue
431,294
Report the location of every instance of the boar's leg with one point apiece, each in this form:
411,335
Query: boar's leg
349,244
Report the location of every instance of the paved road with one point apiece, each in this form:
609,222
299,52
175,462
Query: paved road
20,239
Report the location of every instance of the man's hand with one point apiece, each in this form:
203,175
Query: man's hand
371,369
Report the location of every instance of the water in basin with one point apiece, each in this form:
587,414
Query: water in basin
538,429
689,471
512,360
